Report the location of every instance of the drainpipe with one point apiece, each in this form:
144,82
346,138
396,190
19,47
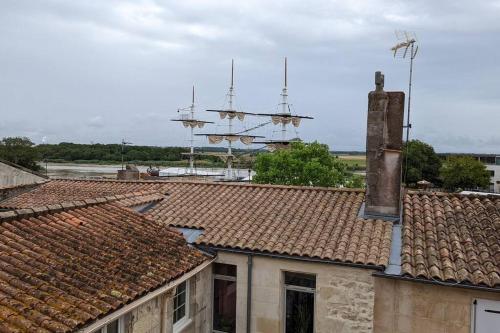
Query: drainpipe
249,292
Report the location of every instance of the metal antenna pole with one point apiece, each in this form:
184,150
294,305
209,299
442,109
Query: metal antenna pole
408,124
123,142
407,45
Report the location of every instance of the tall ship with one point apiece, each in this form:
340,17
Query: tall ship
283,118
189,120
230,114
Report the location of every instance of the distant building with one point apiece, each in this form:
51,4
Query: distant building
12,174
492,163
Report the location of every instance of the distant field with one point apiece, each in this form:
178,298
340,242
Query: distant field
357,162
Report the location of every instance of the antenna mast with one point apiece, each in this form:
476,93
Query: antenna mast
408,47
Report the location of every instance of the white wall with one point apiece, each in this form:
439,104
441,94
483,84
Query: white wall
496,178
11,176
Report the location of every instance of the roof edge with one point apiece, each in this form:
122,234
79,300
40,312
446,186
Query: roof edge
379,268
435,282
298,187
112,315
20,167
452,194
17,213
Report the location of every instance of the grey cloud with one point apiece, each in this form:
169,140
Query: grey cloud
134,62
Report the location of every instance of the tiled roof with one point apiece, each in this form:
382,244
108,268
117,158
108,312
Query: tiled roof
453,238
138,198
57,191
64,266
298,221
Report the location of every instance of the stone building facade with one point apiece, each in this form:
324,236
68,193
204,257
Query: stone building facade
411,307
344,295
157,314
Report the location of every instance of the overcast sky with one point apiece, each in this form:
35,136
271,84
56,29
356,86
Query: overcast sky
99,71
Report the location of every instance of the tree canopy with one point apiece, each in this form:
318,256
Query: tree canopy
302,164
19,150
422,162
464,172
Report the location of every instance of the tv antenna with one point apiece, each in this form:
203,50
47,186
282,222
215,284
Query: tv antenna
123,144
406,48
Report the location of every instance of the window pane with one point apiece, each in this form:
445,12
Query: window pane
223,269
299,312
301,280
225,306
112,327
180,302
179,313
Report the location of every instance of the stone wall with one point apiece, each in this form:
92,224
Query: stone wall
147,317
404,306
156,314
201,300
344,298
13,176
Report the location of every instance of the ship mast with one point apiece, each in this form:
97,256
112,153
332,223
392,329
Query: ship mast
191,141
230,125
189,120
283,117
284,104
231,114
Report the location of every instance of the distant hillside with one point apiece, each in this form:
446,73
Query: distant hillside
112,153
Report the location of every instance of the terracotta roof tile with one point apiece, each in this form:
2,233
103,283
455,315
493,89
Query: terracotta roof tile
57,191
291,220
51,278
298,221
454,238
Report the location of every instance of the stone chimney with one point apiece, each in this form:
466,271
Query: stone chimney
384,144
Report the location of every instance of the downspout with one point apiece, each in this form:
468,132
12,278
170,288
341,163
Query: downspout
475,315
249,292
163,301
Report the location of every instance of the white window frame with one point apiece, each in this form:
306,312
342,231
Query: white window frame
121,326
186,320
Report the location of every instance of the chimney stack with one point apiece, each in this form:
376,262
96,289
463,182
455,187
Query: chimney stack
384,144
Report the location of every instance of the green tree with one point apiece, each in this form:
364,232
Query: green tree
421,161
464,172
302,164
19,150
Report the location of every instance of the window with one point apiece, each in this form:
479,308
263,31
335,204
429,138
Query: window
299,302
181,304
224,316
116,326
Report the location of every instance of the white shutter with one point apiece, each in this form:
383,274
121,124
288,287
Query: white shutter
485,316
